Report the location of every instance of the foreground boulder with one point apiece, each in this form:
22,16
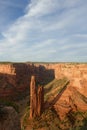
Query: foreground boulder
9,119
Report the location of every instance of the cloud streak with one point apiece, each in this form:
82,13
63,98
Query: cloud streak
48,31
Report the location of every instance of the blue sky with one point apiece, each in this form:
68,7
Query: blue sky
43,30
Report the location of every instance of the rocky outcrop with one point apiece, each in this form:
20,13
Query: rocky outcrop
36,99
7,69
71,100
9,119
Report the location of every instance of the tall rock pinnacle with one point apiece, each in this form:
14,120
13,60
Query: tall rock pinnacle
36,99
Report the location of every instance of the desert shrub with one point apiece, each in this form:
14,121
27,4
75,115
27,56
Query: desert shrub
25,118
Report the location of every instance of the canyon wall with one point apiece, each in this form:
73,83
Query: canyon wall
15,77
76,73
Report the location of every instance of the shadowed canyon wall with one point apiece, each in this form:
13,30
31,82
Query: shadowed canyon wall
15,77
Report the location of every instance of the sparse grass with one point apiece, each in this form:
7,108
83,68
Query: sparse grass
25,118
54,87
76,120
48,120
6,62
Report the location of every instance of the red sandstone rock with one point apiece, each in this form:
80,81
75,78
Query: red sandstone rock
15,78
40,101
71,99
36,99
33,98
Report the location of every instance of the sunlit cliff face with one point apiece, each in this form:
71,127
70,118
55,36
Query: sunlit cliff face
16,77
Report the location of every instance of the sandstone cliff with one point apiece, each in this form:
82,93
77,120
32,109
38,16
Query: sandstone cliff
15,77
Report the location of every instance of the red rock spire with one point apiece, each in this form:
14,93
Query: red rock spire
36,99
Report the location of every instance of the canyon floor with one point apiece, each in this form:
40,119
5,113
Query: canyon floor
65,94
65,108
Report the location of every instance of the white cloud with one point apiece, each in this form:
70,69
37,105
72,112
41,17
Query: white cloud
81,35
47,30
42,7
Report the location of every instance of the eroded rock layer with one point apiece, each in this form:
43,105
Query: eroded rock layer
15,77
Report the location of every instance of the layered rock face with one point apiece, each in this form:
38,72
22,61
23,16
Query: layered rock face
15,77
9,119
76,73
71,100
